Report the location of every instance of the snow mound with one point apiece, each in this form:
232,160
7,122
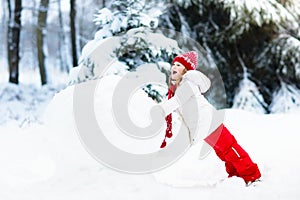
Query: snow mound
47,161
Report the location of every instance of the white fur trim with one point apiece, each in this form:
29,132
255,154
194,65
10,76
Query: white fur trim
197,78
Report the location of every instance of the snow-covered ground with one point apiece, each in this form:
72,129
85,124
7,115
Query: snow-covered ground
47,160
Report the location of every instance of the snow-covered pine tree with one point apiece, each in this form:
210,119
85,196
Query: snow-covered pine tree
247,97
138,47
286,99
132,24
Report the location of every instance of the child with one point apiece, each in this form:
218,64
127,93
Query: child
184,75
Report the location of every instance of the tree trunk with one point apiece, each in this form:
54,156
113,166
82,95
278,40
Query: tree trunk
40,34
62,44
13,39
73,31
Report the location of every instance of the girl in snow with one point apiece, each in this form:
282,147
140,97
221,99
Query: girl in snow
184,75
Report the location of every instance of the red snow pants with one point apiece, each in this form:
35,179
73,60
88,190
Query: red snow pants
237,161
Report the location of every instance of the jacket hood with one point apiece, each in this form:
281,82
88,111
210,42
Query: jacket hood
198,78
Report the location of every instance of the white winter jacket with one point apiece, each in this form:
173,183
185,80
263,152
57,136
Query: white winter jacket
196,112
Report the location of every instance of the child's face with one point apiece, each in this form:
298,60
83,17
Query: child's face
177,71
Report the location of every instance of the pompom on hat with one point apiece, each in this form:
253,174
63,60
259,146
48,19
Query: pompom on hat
189,60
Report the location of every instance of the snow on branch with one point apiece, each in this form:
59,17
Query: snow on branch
284,53
121,16
245,13
185,3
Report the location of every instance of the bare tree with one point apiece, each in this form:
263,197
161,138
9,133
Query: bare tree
40,34
13,40
3,28
73,31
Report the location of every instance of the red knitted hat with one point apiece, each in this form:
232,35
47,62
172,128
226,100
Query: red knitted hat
189,60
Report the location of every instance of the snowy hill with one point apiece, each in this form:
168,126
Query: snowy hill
47,161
